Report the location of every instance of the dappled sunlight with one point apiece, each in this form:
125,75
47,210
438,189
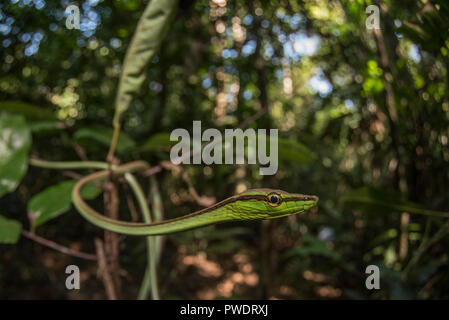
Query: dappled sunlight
205,267
328,292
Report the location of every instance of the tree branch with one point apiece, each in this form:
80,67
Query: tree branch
58,247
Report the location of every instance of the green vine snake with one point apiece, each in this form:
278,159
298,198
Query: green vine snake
255,204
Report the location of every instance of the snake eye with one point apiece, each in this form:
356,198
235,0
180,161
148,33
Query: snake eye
274,199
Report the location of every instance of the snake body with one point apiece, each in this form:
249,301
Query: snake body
254,204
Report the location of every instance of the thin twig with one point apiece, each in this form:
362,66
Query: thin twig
111,239
80,151
425,245
104,270
131,205
152,171
114,141
71,174
200,200
58,247
64,165
254,117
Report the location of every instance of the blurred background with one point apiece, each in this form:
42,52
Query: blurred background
363,119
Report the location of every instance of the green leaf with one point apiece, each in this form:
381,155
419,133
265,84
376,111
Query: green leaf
292,151
157,142
41,126
374,200
104,136
150,31
29,111
90,191
39,119
15,142
56,200
9,230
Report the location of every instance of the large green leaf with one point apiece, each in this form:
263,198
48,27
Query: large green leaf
29,111
104,136
45,126
149,34
292,151
15,142
56,200
157,142
39,119
9,230
374,200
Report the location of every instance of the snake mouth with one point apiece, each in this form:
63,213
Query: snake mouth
289,214
308,202
303,197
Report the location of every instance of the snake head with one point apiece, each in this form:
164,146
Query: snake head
271,204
